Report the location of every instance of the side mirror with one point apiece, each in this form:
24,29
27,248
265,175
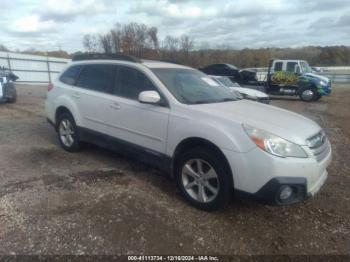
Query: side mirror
149,97
297,70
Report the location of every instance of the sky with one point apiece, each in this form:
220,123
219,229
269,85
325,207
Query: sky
53,24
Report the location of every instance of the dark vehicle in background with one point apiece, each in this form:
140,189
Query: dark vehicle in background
7,87
242,76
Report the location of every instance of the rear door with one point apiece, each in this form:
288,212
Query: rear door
92,93
144,125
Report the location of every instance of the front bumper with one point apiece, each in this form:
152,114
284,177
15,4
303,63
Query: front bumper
324,90
271,191
259,175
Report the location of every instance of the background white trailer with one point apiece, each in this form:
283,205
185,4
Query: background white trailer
32,68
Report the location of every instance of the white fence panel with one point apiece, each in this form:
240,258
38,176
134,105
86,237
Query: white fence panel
33,68
57,67
3,62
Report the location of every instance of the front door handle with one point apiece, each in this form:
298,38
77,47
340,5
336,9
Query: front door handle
115,106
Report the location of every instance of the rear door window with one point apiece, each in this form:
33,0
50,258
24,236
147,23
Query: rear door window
131,82
98,77
70,75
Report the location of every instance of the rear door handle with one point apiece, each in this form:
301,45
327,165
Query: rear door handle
115,106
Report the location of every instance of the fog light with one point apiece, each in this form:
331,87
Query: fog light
286,192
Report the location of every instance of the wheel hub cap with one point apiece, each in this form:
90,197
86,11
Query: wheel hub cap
66,132
200,180
307,94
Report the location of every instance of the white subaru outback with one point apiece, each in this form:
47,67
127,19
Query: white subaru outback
177,118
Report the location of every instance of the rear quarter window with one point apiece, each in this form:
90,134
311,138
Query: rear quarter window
70,76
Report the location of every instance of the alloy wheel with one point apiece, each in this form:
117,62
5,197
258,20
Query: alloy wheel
66,132
200,180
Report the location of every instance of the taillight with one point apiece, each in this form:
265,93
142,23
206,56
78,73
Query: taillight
49,87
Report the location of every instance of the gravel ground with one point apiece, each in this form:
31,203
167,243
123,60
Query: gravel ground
97,202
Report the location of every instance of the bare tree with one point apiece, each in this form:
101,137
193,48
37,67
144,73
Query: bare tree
186,44
152,33
116,40
106,43
90,43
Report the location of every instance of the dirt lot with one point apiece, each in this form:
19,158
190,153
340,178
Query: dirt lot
96,202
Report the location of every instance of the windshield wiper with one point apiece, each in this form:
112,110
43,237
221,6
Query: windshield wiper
227,99
207,101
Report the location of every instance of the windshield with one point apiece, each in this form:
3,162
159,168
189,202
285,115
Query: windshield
193,87
305,67
226,81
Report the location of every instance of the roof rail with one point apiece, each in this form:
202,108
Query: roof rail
105,56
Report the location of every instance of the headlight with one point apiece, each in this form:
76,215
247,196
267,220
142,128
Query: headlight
273,144
323,83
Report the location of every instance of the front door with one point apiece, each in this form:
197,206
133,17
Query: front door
140,124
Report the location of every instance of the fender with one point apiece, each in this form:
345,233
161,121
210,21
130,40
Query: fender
67,102
212,131
312,80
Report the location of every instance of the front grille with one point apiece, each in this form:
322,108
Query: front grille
319,146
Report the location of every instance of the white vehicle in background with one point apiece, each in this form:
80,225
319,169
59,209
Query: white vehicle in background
246,93
179,119
7,87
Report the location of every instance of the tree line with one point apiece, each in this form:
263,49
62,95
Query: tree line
142,41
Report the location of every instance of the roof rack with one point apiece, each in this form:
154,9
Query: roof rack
105,56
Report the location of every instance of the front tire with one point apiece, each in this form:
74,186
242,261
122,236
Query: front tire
204,179
308,94
68,133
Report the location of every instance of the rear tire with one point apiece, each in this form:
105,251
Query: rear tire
68,132
204,179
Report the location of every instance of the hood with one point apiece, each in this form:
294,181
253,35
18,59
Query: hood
250,92
323,78
283,123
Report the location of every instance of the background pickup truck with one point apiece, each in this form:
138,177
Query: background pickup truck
295,78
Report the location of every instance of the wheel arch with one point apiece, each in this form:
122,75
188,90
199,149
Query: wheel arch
192,142
61,110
